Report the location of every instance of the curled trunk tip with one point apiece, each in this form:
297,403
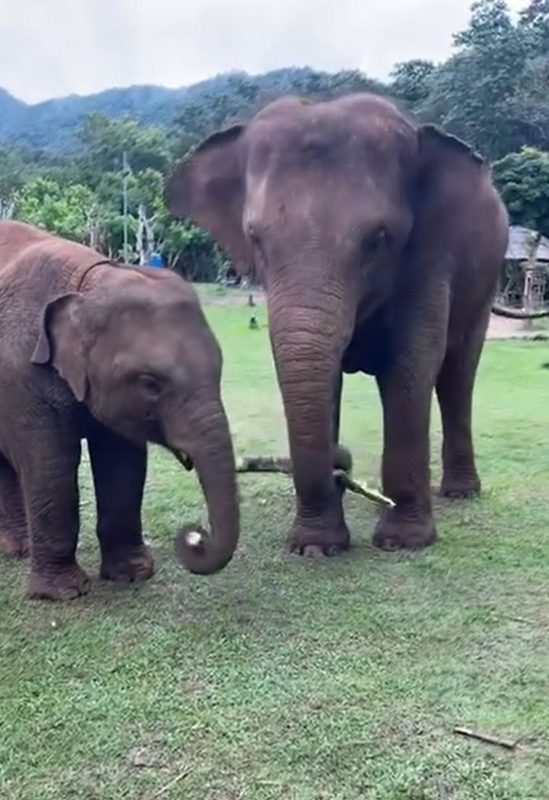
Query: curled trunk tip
206,551
195,550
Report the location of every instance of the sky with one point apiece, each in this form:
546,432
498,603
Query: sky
52,48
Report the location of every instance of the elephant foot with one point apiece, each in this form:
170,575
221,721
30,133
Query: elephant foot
61,584
14,546
460,487
317,539
131,565
395,533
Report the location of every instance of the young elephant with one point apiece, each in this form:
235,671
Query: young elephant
120,357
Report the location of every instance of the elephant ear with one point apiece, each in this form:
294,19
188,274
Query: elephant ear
448,170
208,187
60,342
439,150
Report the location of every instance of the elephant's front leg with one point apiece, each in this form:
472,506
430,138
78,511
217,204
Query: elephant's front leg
49,477
405,469
119,469
406,388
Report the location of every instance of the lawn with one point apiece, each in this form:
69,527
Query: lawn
284,679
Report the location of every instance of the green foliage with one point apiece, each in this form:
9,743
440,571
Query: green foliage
472,93
14,170
411,81
189,250
103,141
536,17
523,180
64,210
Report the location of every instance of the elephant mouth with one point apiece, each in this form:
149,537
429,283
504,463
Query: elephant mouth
184,459
187,461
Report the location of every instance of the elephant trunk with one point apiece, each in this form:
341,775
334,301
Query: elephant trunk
308,341
211,449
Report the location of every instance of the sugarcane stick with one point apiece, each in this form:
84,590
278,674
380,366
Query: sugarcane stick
284,466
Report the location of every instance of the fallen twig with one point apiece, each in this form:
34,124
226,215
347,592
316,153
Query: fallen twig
487,738
284,466
261,464
169,785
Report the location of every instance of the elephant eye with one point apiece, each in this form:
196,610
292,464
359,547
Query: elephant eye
258,249
150,383
376,241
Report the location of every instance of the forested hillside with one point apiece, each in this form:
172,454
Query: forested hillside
61,161
53,125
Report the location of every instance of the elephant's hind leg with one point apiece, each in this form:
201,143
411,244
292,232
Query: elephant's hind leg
119,469
455,396
14,539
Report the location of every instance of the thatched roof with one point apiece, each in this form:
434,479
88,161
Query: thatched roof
519,243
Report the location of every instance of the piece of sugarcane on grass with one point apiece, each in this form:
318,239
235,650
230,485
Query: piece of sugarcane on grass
284,466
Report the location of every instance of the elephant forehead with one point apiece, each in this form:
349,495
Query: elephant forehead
308,142
152,357
152,311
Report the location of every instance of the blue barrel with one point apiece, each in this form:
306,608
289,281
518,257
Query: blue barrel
156,260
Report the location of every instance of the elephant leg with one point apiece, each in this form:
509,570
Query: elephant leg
455,396
49,478
119,470
405,470
311,540
14,540
406,388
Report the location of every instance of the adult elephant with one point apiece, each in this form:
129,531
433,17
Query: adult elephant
379,244
122,357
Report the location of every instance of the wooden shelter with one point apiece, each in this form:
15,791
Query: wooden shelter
525,278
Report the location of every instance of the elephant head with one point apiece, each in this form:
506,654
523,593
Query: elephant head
324,200
137,350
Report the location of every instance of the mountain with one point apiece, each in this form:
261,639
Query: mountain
52,124
8,104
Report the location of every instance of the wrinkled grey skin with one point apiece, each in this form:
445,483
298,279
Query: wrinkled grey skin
121,357
379,244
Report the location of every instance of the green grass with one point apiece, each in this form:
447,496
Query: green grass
283,679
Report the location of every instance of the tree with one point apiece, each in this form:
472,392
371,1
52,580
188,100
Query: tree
411,81
15,169
65,210
536,15
103,141
214,110
523,180
529,107
472,93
